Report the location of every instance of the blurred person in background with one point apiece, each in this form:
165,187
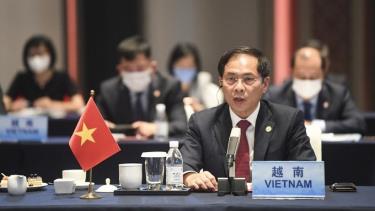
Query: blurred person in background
325,103
2,106
131,97
199,91
41,85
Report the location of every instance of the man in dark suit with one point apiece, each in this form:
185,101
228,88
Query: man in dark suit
325,103
131,97
268,131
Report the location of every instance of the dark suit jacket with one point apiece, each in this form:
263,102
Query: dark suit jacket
115,105
335,106
205,143
2,107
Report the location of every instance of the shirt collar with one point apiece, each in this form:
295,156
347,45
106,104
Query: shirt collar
251,118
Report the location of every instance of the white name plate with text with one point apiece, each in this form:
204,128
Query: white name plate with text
33,128
288,179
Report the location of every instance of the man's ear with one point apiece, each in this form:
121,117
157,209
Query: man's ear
266,84
220,82
154,65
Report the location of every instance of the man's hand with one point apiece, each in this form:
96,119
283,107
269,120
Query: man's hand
19,104
110,124
43,102
145,129
200,181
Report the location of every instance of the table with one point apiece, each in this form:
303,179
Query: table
350,162
47,200
50,158
370,123
344,162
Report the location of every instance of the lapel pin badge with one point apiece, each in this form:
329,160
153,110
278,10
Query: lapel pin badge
268,129
325,104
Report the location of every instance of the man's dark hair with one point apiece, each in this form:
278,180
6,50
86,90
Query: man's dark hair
319,46
182,50
36,41
264,66
131,47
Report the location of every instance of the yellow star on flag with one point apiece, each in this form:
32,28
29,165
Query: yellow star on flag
86,134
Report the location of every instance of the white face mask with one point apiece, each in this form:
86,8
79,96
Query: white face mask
136,81
307,88
39,64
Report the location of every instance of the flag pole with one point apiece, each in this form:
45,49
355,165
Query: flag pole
90,192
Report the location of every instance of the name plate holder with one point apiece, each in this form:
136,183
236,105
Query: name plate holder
15,128
288,180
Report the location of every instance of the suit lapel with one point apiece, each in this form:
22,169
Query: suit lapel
323,103
291,98
221,131
154,97
123,112
263,131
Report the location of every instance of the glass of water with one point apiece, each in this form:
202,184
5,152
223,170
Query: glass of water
154,168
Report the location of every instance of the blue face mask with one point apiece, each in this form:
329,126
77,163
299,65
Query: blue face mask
185,75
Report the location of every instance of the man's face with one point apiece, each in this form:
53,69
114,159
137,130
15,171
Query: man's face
242,85
307,65
139,63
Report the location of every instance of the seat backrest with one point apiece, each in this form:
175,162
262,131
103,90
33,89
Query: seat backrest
315,133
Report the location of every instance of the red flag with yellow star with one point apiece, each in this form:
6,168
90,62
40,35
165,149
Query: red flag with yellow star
92,142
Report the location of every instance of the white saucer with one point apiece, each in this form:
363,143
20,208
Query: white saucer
84,185
29,188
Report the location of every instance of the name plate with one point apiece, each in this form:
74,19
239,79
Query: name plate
288,179
33,128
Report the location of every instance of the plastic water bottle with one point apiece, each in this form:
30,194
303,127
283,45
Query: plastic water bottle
173,164
161,122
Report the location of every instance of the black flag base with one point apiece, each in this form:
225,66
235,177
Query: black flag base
90,193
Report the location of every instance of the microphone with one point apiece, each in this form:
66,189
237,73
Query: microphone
236,186
234,140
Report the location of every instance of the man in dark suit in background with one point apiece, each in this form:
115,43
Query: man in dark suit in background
131,97
268,131
325,103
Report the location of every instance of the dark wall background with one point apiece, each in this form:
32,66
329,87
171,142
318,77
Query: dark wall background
347,27
370,55
102,25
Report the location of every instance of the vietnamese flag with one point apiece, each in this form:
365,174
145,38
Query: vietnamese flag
92,142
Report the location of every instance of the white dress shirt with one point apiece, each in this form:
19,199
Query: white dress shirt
250,132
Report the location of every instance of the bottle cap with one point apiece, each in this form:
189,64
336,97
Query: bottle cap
160,107
173,144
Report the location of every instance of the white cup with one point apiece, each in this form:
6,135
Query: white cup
130,175
17,185
78,175
64,186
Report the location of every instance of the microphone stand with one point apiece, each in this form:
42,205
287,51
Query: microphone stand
232,184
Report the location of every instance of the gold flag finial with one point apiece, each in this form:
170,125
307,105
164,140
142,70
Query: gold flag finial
92,93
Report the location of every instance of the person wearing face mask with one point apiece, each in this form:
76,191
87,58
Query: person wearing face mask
41,86
199,92
325,103
131,97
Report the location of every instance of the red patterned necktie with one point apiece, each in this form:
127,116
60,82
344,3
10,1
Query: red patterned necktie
243,152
